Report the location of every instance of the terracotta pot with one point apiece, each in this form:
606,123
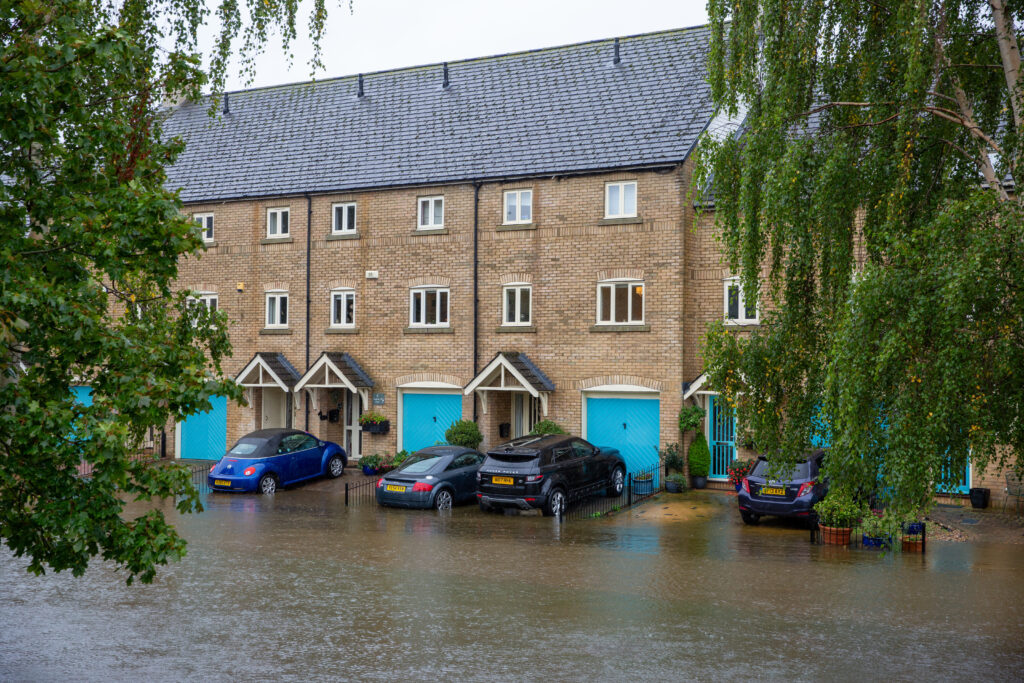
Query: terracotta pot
835,535
913,545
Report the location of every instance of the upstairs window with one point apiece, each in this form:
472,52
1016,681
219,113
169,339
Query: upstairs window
518,207
277,309
344,218
428,307
431,213
620,303
620,200
517,305
343,308
208,299
277,222
205,223
736,311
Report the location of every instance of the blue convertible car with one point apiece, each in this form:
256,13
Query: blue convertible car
264,460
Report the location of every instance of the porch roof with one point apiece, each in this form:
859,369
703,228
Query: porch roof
522,369
268,370
336,369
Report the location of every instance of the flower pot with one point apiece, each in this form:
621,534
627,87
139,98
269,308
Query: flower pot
377,427
644,487
369,471
839,535
698,482
672,487
738,487
874,541
979,498
913,545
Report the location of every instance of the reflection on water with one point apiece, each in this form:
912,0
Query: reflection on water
297,586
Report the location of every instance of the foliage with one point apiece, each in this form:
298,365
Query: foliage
876,526
372,462
868,182
738,470
838,509
464,433
643,475
399,457
690,418
372,417
699,456
546,427
672,457
679,479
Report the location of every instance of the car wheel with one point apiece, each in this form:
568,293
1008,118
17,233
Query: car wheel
749,517
335,467
556,503
616,484
443,500
268,484
484,507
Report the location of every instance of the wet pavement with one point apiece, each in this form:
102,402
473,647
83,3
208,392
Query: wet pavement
296,586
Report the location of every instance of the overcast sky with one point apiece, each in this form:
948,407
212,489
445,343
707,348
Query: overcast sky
387,34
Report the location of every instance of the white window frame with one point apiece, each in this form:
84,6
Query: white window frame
622,185
277,295
422,292
345,228
343,292
518,287
207,298
630,283
743,319
205,221
518,194
279,211
420,225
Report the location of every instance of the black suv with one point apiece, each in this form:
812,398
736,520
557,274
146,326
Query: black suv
546,472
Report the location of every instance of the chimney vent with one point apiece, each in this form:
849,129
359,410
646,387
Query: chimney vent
360,85
445,75
227,107
617,59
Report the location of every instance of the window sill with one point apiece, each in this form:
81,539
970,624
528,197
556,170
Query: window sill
429,330
742,323
621,221
342,236
620,328
276,240
512,227
430,231
275,330
209,245
516,329
342,330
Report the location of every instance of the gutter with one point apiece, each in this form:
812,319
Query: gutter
309,242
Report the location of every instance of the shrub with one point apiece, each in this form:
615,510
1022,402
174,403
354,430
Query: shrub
678,479
464,433
371,461
700,457
546,427
690,418
672,458
400,457
838,509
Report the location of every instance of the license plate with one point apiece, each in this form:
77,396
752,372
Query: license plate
396,489
773,491
221,482
507,481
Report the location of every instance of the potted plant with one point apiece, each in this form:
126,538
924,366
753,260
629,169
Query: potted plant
738,471
672,458
700,461
464,433
675,483
836,515
370,464
875,531
643,483
690,418
913,537
374,423
399,457
546,427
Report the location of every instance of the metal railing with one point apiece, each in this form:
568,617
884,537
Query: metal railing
593,502
894,536
361,492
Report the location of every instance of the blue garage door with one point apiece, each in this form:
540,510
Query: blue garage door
83,395
426,417
204,435
629,424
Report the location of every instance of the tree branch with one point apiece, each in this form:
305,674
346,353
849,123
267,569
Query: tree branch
1010,53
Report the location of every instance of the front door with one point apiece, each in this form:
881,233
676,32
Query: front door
353,432
722,437
275,404
426,417
525,413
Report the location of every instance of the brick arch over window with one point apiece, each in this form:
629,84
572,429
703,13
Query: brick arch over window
342,284
429,377
278,286
508,278
423,281
203,287
652,384
621,274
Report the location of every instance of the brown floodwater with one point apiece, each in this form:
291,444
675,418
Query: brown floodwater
296,586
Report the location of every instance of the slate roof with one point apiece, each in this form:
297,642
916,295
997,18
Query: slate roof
530,372
565,109
350,368
279,364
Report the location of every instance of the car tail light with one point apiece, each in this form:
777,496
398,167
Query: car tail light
249,471
805,487
534,478
422,486
746,485
213,467
380,482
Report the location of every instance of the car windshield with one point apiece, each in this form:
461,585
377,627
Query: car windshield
802,471
246,446
417,464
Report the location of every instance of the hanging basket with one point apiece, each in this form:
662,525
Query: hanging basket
377,427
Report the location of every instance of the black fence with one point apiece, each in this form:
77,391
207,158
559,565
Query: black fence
361,491
874,533
594,501
200,476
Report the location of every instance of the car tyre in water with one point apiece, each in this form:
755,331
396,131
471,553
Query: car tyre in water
616,484
749,517
335,466
443,500
268,484
555,504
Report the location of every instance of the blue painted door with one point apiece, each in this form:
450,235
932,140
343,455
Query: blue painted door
426,417
628,424
83,395
722,441
204,435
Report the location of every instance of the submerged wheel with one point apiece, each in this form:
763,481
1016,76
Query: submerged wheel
443,500
555,505
616,484
749,517
268,484
335,466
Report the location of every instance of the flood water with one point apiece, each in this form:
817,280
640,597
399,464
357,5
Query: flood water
296,586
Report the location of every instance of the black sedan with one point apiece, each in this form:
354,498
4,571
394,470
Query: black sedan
436,477
766,493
